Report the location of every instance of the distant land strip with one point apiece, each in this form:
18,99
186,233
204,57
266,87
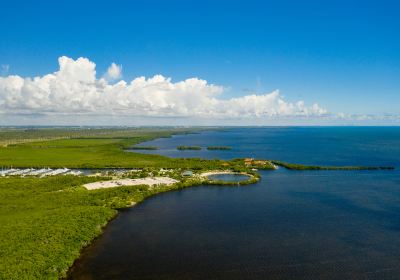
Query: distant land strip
293,166
181,148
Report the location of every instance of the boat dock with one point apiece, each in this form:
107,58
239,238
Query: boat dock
42,172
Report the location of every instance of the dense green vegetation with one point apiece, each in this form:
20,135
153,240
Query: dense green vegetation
253,178
144,148
44,223
293,166
222,148
188,148
240,165
101,149
9,136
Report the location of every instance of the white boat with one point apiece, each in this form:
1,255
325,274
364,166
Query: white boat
36,172
58,171
42,171
73,172
16,172
46,173
26,171
7,171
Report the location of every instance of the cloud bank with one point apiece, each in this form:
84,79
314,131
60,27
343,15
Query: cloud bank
74,89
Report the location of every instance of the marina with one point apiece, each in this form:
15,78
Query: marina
42,172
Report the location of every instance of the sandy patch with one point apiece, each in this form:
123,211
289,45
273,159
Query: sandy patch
151,181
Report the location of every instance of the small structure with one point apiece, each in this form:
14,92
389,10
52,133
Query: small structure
187,173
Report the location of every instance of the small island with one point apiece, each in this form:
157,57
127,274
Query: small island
221,148
182,148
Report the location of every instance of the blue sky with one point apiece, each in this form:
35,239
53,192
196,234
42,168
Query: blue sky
343,55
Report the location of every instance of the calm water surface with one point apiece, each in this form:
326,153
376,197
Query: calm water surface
308,145
289,225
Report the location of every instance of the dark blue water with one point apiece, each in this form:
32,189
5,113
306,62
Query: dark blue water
289,225
308,145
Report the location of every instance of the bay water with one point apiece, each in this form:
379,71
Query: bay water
289,225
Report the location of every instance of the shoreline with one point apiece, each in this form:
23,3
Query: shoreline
197,180
217,172
174,187
148,181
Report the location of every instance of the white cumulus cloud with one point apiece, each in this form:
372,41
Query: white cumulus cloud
74,89
114,72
